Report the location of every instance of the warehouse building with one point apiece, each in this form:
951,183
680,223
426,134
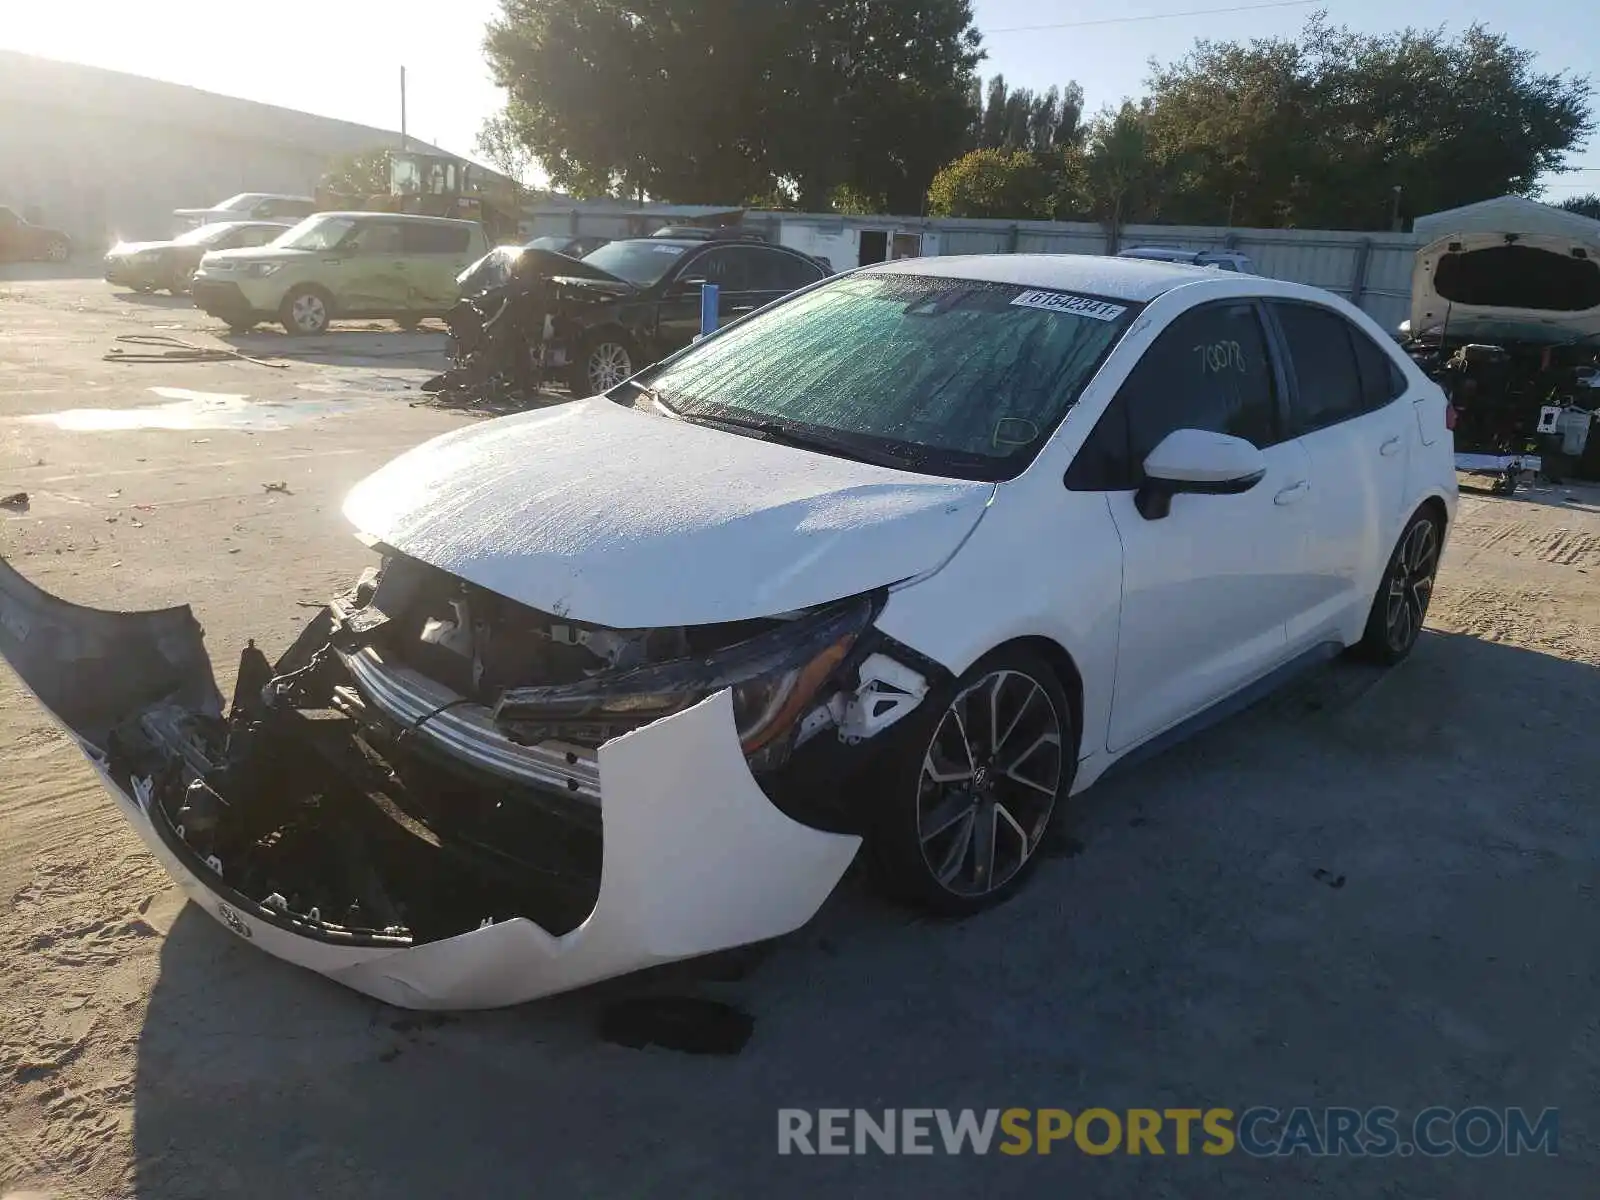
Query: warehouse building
104,155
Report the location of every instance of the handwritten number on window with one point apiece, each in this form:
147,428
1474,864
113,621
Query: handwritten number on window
1218,357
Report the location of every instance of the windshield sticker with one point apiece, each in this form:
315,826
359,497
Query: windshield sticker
1078,306
669,249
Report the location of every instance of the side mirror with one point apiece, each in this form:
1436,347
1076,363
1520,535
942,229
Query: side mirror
1194,461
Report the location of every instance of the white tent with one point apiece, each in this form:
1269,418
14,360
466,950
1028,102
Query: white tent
1506,214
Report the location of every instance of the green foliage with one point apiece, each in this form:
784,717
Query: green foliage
1584,206
703,100
1319,130
1315,131
993,183
359,175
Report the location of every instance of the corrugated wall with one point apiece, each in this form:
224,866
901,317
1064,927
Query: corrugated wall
1373,269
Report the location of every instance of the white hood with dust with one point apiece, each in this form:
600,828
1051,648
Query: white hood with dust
634,519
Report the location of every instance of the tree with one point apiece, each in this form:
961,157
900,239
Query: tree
710,100
500,141
363,174
1022,119
1318,130
1122,180
1584,206
992,183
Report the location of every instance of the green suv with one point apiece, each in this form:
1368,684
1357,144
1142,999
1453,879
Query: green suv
341,265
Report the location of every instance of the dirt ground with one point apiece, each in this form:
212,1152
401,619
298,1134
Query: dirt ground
1370,890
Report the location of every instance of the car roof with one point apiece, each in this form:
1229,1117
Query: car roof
1135,279
417,217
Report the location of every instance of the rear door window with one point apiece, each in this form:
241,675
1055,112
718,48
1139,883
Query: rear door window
782,272
1381,377
1328,382
727,266
1208,370
426,238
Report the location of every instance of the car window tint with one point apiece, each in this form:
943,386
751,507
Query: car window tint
788,272
378,237
1327,384
727,267
1208,370
1381,378
436,239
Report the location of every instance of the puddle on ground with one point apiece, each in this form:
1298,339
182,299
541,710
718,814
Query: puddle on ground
189,410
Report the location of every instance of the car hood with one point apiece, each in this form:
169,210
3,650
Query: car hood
633,520
262,254
125,248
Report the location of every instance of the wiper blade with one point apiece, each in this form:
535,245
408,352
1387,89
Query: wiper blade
779,431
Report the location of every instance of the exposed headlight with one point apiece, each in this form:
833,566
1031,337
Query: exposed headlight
261,270
772,677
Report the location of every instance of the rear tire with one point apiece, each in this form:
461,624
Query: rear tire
972,783
57,251
306,311
1401,604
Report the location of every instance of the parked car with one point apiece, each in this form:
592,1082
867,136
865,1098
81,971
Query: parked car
341,265
709,233
249,206
149,266
23,241
908,559
638,299
1226,260
572,247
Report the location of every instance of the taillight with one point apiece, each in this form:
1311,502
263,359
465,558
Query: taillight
1449,416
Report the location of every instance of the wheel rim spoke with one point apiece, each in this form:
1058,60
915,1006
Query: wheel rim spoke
957,853
982,805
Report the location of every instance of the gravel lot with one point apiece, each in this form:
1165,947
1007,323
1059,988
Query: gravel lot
1369,890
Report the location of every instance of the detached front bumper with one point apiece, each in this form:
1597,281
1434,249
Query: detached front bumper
696,859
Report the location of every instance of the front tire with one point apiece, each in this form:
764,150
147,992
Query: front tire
1398,610
306,310
973,783
57,251
603,361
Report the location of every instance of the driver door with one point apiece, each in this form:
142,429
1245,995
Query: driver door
1208,589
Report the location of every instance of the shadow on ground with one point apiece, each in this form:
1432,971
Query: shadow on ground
1369,890
372,344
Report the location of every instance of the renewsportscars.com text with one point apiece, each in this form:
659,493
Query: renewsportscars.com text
1258,1131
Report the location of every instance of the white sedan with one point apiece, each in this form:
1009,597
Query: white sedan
902,561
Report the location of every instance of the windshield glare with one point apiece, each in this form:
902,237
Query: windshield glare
956,376
641,261
317,233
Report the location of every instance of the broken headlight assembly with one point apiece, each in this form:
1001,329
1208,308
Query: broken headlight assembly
773,676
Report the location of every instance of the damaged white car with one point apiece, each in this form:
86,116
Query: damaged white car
904,559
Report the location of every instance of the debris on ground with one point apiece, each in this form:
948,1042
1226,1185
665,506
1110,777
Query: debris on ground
16,502
279,486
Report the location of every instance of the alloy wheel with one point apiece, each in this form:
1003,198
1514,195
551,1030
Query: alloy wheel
1411,584
57,252
988,783
609,364
309,313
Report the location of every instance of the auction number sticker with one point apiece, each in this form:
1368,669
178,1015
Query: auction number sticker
1080,306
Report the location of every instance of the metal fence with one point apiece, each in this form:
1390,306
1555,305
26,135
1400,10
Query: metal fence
1373,270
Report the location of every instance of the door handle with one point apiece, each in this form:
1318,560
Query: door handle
1392,446
1292,493
742,308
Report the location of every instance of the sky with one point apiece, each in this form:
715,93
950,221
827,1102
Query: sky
342,58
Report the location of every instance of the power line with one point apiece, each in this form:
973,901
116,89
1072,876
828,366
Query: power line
1195,12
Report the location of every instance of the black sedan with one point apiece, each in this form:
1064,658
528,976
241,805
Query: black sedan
636,300
149,266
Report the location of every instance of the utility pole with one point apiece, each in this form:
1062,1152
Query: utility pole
405,143
1394,213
